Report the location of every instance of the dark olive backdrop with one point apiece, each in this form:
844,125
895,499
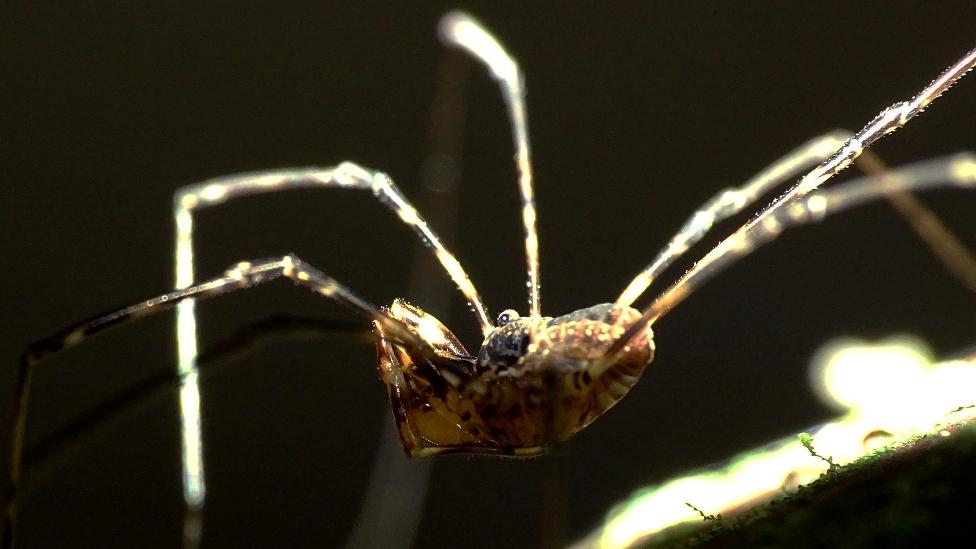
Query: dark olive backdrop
638,111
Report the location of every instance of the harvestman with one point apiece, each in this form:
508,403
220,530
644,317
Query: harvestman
536,379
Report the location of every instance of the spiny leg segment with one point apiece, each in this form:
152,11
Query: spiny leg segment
732,201
463,31
345,176
770,222
729,202
246,274
958,170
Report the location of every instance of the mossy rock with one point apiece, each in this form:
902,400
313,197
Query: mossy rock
919,494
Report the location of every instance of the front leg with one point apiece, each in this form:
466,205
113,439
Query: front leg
246,274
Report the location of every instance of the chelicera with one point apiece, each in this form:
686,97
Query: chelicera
535,380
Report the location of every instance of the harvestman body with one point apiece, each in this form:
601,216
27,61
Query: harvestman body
536,379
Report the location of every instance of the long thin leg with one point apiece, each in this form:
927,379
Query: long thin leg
243,275
743,240
952,171
460,30
732,201
346,176
219,190
958,170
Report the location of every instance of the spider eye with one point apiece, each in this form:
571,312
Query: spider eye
507,316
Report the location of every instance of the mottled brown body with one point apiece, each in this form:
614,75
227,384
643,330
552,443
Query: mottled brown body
535,381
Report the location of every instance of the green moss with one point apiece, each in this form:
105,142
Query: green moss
918,493
806,439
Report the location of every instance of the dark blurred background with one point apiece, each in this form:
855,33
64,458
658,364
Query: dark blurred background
639,112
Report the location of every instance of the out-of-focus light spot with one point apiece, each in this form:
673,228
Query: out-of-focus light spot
965,168
889,392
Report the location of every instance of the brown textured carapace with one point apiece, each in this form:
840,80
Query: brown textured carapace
536,380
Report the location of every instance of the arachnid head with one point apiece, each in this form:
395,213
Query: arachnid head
424,382
535,379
